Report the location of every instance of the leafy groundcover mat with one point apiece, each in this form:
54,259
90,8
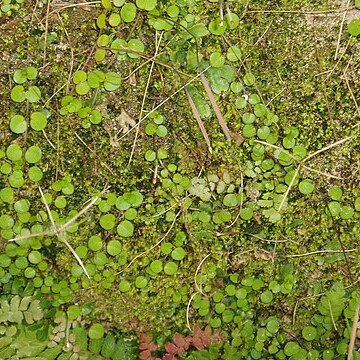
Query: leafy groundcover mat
179,179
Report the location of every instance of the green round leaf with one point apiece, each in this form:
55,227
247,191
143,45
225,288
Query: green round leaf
309,333
96,331
20,76
335,193
150,155
346,212
233,53
95,117
162,154
263,132
173,11
14,152
267,297
114,20
82,88
124,285
354,27
249,131
334,208
33,154
107,221
146,4
254,99
161,131
357,204
101,21
16,179
134,198
217,26
125,228
95,243
31,72
7,195
114,247
18,124
22,206
35,257
60,202
260,110
150,129
156,266
232,20
248,118
136,46
178,253
130,214
166,248
273,326
249,79
73,312
230,200
170,268
33,94
80,75
291,348
38,121
306,186
141,282
112,81
128,12
18,93
217,60
246,213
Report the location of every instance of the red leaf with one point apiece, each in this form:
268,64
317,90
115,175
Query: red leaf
145,338
147,346
145,355
198,343
197,331
179,340
171,348
206,341
207,332
168,357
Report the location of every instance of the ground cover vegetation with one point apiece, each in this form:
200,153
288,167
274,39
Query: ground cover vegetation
179,179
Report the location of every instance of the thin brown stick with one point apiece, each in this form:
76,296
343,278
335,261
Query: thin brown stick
152,247
164,101
353,333
301,12
199,120
327,148
46,30
322,252
341,29
215,106
348,86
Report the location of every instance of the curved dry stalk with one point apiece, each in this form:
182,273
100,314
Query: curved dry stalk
327,148
321,252
199,289
289,188
341,29
153,247
188,311
144,98
75,217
